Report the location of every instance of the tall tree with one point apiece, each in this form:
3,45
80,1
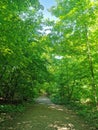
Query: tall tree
73,34
21,64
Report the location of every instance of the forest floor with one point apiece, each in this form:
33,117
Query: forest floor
44,115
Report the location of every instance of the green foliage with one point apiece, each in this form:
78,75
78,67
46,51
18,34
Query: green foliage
62,64
11,108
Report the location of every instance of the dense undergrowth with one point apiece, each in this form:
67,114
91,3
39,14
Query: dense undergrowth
11,108
87,112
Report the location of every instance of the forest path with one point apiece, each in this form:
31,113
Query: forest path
44,115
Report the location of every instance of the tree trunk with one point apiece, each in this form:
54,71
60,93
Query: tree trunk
91,66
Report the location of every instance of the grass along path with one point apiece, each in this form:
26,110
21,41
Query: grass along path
44,116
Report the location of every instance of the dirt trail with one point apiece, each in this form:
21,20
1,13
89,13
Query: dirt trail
43,100
44,115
